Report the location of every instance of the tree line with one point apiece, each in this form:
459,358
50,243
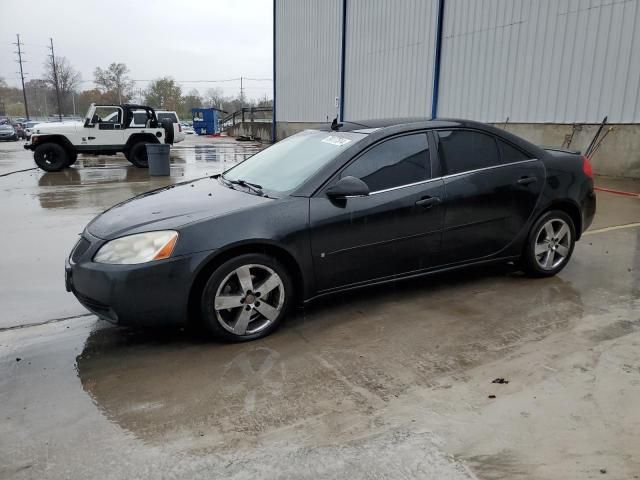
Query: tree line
113,85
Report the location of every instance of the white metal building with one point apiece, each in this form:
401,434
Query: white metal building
532,61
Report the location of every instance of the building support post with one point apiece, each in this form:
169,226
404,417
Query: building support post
343,54
273,111
438,56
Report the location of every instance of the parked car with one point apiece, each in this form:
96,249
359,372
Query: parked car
326,211
163,115
29,127
106,130
19,128
188,130
7,132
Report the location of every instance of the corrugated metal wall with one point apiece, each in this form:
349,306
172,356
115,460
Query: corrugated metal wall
558,61
308,43
389,58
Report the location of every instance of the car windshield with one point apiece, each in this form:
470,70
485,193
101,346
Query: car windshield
287,164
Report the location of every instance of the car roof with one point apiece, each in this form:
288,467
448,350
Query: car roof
377,123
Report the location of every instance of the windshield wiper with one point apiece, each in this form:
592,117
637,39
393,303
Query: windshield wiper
243,183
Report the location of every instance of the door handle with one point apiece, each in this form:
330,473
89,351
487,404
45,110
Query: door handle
527,180
428,202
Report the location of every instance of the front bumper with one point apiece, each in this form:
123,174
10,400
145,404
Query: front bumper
154,293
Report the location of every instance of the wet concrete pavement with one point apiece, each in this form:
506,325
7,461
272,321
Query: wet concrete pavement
43,213
391,382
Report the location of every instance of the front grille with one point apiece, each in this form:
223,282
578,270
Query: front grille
100,309
81,247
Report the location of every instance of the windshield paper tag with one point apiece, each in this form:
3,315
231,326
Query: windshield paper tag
338,141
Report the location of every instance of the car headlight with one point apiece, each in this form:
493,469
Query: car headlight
138,248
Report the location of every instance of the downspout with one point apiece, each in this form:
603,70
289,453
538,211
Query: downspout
342,57
273,113
436,66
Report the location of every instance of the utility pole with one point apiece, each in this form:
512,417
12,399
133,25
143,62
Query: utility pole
241,94
24,92
55,78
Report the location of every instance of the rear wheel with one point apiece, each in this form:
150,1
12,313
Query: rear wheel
51,157
246,298
138,155
549,245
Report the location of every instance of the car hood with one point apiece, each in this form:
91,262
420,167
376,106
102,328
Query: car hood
172,207
57,127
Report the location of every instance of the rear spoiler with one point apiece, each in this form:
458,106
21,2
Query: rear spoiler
560,149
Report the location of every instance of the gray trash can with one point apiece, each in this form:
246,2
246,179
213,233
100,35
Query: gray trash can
158,155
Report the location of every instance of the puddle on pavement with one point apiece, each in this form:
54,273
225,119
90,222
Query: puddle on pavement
330,370
101,181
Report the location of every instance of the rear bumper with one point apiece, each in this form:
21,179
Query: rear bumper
588,210
150,294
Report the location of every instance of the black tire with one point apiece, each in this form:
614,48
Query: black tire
224,276
137,155
168,131
531,262
73,156
51,157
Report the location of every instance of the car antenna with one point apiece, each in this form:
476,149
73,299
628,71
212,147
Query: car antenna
335,126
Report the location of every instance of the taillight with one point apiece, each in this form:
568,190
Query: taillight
179,127
586,167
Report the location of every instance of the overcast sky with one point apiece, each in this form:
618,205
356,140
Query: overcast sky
188,40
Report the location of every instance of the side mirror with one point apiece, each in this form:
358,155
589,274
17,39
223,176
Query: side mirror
348,187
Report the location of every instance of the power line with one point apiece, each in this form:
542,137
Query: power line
24,93
210,81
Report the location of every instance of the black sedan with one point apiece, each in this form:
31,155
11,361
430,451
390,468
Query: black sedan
330,210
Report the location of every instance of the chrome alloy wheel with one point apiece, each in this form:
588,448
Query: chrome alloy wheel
249,299
553,244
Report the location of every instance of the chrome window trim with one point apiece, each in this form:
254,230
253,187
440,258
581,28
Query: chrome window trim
444,177
490,168
406,186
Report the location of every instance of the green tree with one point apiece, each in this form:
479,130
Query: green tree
114,82
189,101
164,93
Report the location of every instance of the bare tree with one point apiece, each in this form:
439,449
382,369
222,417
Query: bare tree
68,79
214,98
114,81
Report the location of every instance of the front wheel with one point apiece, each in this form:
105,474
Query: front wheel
73,156
51,157
137,155
549,245
246,298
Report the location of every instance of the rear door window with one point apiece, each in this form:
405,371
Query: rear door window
393,163
464,150
511,154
